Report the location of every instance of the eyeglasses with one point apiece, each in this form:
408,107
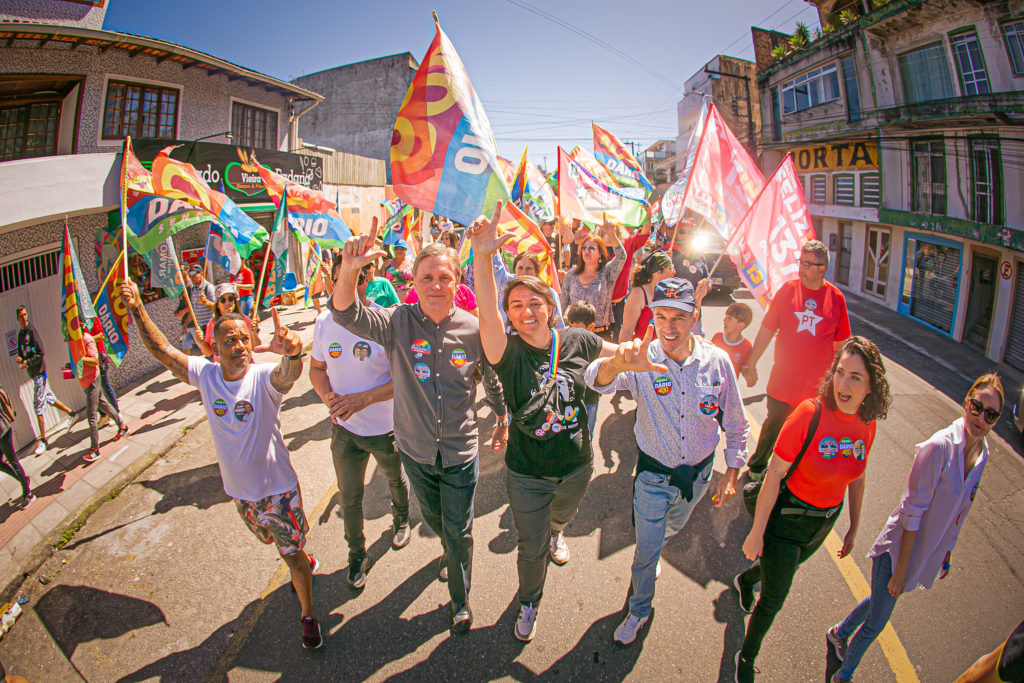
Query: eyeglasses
229,299
590,247
977,408
811,264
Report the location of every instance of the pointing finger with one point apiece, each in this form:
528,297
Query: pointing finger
373,231
277,320
648,336
497,213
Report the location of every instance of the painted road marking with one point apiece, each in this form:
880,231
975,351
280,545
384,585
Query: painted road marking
892,648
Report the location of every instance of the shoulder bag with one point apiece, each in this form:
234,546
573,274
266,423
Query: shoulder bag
540,417
753,489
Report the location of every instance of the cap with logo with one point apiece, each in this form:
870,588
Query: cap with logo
195,269
674,292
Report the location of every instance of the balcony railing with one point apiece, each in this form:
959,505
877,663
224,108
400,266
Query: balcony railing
1001,107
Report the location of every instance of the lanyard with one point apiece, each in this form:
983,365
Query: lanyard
553,359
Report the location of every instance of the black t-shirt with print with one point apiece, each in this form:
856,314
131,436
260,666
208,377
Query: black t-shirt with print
30,348
522,370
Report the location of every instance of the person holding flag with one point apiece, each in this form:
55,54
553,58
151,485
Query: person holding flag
435,354
810,318
243,405
96,401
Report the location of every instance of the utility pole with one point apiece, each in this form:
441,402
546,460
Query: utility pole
751,142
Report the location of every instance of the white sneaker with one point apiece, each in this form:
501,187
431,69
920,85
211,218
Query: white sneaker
657,570
559,550
626,633
526,624
72,419
40,448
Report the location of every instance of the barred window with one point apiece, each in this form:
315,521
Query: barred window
24,271
253,127
142,111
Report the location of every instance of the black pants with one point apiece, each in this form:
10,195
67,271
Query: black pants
777,414
788,541
9,461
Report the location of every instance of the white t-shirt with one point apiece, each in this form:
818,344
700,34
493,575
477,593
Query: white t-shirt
245,419
354,364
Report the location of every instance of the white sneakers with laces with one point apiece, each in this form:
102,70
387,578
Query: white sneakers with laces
627,631
526,624
559,549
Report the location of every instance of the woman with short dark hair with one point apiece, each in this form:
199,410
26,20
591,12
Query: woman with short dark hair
832,435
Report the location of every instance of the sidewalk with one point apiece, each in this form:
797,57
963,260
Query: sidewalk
158,411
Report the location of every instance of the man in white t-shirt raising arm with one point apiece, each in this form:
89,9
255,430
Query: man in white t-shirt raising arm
352,376
243,405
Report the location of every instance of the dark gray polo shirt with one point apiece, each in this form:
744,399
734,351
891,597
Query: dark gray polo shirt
433,367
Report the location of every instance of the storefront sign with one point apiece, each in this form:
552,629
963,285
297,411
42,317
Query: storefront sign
847,155
227,167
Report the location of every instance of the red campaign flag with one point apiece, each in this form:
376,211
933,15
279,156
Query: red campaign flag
767,242
724,180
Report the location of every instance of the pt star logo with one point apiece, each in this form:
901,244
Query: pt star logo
807,321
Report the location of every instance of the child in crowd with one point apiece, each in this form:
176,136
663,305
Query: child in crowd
731,340
582,314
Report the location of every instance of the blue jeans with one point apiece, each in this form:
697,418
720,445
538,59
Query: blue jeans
591,418
245,305
659,512
446,496
872,614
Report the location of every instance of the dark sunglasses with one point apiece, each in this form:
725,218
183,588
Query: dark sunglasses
229,299
977,408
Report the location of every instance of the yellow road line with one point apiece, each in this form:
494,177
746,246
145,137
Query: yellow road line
892,648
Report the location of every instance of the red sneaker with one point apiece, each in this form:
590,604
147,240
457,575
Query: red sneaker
121,432
91,456
311,637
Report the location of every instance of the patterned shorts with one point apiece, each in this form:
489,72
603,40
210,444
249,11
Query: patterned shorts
42,394
277,519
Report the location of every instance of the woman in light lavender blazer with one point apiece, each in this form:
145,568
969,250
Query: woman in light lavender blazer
915,546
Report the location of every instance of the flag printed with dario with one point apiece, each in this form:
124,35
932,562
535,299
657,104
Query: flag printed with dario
618,160
310,213
443,156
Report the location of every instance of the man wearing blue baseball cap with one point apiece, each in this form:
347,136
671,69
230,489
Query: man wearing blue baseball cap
681,385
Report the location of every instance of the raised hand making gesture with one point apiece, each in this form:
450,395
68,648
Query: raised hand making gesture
358,251
285,342
484,235
631,356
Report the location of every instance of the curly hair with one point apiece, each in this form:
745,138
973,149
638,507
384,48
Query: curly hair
876,404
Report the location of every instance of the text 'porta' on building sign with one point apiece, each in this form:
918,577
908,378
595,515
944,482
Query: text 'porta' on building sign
845,155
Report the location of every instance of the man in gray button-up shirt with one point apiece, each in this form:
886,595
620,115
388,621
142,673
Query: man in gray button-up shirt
682,388
434,350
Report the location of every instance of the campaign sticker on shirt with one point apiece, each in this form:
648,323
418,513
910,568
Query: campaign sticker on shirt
860,450
361,351
220,407
420,347
693,269
334,350
810,305
709,404
421,371
846,447
828,447
243,411
662,385
458,358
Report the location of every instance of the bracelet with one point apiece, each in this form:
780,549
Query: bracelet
297,356
501,422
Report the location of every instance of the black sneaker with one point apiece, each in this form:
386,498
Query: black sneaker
311,637
744,670
462,619
357,572
837,644
27,500
442,569
746,595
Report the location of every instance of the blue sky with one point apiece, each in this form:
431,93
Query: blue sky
540,80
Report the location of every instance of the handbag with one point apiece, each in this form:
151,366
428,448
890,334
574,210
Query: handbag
540,417
752,489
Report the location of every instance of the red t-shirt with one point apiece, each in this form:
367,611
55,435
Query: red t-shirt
739,353
631,245
89,372
245,280
837,454
808,323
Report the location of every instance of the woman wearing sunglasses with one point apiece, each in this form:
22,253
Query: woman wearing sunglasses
227,302
917,541
593,278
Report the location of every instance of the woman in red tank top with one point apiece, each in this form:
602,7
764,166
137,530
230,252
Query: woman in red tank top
636,315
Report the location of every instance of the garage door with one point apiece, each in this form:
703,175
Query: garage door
1015,339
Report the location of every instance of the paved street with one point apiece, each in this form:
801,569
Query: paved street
165,583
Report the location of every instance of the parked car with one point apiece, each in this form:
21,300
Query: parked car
701,248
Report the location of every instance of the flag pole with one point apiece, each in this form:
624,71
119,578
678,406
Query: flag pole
110,274
266,252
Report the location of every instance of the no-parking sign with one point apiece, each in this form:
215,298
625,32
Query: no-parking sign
12,343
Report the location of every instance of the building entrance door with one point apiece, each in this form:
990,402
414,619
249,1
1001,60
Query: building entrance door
980,300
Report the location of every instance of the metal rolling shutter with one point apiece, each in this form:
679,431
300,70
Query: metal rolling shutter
936,278
1015,339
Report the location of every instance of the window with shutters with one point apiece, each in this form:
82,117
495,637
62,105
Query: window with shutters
870,189
928,174
845,189
876,261
819,185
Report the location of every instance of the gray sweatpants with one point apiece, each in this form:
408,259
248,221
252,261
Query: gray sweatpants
96,401
540,506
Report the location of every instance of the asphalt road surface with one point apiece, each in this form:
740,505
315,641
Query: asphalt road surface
164,582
